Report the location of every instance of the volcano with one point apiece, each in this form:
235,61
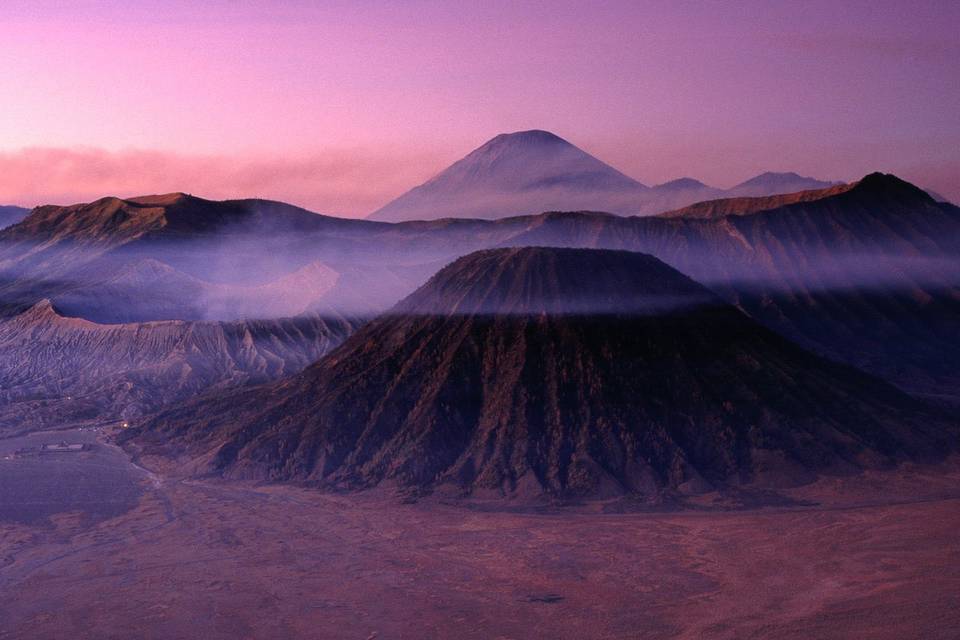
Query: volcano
864,273
529,172
517,173
560,372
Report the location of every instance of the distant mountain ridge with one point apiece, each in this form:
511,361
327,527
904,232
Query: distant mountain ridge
95,259
532,171
771,183
114,220
745,205
866,274
10,215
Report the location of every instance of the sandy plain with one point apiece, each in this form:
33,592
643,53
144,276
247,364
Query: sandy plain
872,556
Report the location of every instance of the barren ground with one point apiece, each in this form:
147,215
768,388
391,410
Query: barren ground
878,557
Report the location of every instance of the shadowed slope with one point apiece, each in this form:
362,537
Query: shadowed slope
171,256
868,276
663,386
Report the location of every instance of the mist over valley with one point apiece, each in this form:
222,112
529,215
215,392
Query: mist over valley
479,320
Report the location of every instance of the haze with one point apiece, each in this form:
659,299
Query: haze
342,107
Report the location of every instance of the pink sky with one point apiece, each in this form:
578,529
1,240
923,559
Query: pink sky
343,105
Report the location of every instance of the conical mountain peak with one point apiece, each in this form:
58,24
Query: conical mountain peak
514,174
888,185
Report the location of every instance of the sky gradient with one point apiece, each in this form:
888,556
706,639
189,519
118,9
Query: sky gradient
340,106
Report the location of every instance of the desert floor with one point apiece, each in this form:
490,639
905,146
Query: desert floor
878,556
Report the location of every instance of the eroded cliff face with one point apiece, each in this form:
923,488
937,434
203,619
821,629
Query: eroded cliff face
55,369
556,372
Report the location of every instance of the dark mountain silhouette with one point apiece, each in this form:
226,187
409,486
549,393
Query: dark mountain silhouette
563,372
868,276
11,215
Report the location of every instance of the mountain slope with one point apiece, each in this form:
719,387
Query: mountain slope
562,372
55,237
516,173
937,197
869,276
55,369
532,171
721,207
866,273
105,260
10,215
771,183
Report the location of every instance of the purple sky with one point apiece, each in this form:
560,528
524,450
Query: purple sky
340,106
